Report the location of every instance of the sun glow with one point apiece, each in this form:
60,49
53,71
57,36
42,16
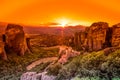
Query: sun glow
63,22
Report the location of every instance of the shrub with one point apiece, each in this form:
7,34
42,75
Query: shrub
92,65
54,69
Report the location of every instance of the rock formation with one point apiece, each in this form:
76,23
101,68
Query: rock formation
96,37
79,39
66,53
37,76
2,47
116,35
15,39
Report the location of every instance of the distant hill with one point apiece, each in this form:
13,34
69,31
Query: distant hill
53,30
69,30
2,26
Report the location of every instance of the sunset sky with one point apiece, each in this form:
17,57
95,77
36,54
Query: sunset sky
84,12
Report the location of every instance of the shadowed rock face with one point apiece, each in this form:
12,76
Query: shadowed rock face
79,39
116,35
2,47
15,39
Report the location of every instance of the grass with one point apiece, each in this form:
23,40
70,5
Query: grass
16,65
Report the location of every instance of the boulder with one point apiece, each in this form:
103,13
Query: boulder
37,76
15,39
29,76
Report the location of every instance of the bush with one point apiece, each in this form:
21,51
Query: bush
92,65
54,69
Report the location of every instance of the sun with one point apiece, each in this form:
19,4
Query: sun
63,22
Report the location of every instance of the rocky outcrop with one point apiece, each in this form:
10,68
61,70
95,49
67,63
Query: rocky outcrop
96,37
2,47
65,53
37,76
15,39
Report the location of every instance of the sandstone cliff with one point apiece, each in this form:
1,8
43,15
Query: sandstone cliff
98,36
13,40
116,35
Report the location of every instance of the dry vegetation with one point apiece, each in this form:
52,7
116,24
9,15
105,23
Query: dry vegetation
16,65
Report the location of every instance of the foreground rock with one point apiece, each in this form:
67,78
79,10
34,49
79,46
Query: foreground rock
37,76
